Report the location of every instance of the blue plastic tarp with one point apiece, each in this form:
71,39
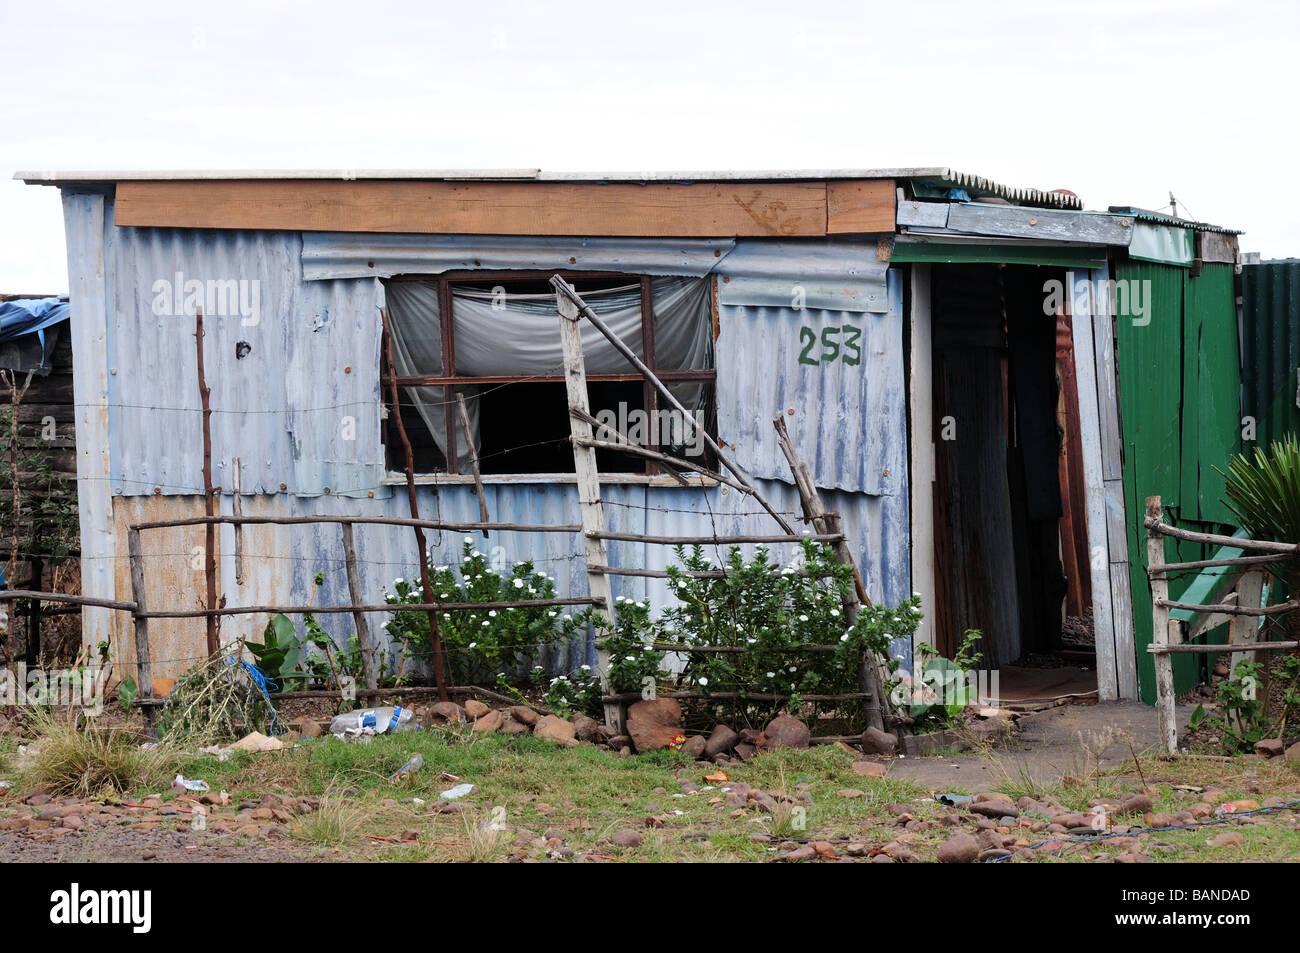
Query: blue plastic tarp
24,316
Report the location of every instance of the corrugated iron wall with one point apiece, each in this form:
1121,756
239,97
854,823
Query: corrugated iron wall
295,396
1270,348
1179,382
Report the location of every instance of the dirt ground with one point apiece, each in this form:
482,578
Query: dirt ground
324,800
1049,745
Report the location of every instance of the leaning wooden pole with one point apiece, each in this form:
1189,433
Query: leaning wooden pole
588,478
565,290
870,680
435,638
364,643
209,498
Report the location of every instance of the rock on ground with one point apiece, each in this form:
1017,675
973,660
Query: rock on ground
786,731
654,724
959,849
556,729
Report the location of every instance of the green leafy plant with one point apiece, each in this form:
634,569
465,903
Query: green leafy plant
1242,716
578,691
944,687
280,654
629,644
477,645
770,612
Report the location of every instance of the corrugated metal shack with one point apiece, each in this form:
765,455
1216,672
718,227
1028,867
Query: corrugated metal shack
911,324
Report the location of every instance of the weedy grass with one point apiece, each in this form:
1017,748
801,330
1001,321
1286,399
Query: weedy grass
93,760
336,823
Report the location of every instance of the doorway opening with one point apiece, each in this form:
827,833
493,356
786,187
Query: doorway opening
1010,518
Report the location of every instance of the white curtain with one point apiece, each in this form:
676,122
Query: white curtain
497,333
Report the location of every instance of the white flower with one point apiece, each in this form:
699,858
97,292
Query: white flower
486,622
631,658
473,645
803,618
585,668
551,614
532,591
771,674
794,668
470,540
398,581
446,615
641,605
751,641
844,637
704,681
492,613
519,584
835,612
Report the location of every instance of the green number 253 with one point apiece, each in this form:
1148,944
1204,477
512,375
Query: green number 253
833,348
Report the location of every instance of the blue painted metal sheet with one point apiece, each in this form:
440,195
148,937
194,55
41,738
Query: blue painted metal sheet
842,375
836,275
293,365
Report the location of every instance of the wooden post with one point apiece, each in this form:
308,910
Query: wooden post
584,464
1161,630
359,618
1244,629
825,523
473,459
143,667
237,508
210,532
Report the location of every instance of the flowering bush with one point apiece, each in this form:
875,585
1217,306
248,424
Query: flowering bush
579,691
631,658
772,612
478,644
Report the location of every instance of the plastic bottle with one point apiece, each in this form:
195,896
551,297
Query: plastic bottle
372,721
415,764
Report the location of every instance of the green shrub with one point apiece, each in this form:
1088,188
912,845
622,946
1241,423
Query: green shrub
770,612
477,645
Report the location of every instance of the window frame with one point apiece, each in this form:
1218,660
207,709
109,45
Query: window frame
450,381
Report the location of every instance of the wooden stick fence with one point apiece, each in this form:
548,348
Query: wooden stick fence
1171,636
571,309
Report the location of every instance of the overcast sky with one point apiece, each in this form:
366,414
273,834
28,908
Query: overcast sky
1122,102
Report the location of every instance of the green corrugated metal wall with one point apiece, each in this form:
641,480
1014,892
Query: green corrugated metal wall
1179,384
1270,337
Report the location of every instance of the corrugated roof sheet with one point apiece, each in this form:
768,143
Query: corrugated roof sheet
1142,215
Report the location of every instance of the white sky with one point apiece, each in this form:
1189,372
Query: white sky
1122,102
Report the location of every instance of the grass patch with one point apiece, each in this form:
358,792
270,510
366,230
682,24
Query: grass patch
336,823
90,761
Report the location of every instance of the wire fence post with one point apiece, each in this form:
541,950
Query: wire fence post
584,465
140,621
1160,630
364,642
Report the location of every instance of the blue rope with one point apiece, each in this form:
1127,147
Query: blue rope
264,684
